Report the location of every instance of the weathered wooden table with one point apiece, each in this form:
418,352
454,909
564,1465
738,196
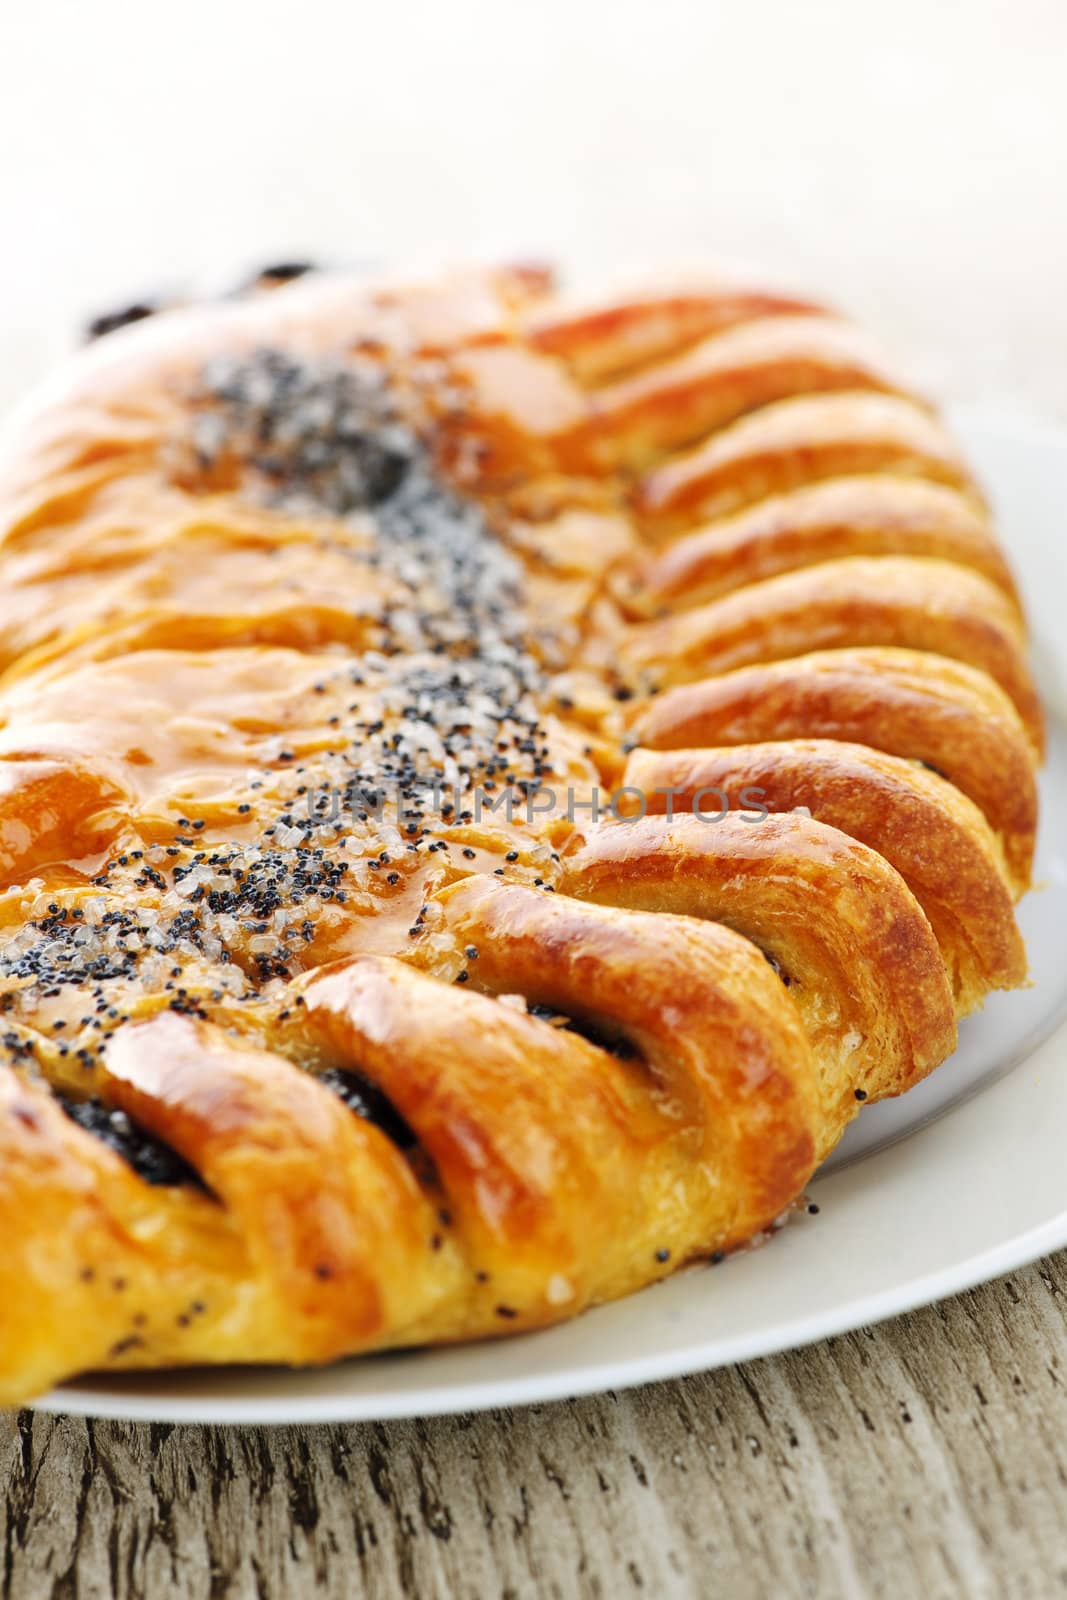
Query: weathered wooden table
924,1457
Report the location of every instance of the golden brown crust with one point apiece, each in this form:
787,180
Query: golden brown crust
923,707
308,1242
333,1019
795,442
928,605
636,420
544,1143
936,839
840,924
599,342
824,521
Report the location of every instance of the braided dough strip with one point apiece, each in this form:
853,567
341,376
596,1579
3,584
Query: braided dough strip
556,1157
599,342
838,921
824,521
637,420
931,834
908,703
561,1175
913,604
795,442
305,1249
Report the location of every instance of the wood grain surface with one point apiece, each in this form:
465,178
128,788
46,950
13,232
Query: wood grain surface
925,1457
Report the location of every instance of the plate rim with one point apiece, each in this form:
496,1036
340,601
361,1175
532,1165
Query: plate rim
630,1373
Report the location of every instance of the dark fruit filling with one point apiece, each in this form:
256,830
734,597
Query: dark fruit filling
149,1157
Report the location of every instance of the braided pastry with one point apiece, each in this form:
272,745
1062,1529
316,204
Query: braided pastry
488,786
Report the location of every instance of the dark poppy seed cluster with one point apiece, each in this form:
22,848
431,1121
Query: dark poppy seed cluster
400,741
323,435
450,691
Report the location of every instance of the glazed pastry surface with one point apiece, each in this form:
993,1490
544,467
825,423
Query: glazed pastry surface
489,785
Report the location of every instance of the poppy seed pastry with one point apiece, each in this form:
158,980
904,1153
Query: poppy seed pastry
490,785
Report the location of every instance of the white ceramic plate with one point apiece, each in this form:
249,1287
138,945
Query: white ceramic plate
961,1180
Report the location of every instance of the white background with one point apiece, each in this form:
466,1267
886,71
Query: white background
906,160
